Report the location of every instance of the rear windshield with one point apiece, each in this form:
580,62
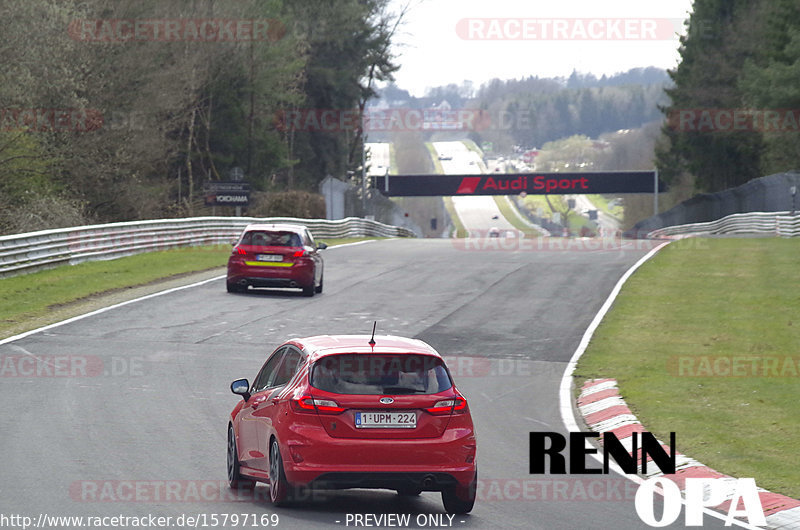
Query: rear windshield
263,238
380,374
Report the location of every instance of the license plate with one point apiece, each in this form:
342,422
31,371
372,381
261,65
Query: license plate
386,420
269,257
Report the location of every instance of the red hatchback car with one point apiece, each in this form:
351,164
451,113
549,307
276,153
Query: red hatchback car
348,411
276,255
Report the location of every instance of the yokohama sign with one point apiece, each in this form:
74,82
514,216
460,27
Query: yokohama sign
511,184
231,198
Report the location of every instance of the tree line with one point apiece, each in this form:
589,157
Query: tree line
118,109
532,111
733,113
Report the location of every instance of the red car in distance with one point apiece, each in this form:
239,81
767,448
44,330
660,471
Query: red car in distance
276,255
348,411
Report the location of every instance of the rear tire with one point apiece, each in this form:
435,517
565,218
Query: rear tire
460,499
319,289
233,287
278,485
309,291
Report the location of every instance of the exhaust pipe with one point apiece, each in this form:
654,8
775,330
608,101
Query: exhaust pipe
428,481
292,283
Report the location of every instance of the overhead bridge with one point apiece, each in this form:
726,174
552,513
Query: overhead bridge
559,183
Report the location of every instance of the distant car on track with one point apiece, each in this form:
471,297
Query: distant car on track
445,157
276,255
351,411
494,232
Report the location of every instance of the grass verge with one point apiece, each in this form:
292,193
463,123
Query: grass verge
579,224
437,164
506,209
461,231
32,300
666,340
472,146
601,203
575,222
537,202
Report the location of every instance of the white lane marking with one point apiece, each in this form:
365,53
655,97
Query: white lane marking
104,309
146,297
536,421
565,390
354,243
29,354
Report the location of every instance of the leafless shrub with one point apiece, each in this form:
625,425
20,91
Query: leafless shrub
287,204
43,213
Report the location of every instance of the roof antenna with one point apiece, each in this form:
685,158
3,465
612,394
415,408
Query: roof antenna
372,339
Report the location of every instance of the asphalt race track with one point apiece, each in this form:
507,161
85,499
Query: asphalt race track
137,424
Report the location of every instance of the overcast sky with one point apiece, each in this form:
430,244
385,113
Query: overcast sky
449,41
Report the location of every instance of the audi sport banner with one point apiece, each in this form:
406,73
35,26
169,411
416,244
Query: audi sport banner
514,183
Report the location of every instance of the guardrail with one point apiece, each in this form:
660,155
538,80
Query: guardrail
22,253
782,224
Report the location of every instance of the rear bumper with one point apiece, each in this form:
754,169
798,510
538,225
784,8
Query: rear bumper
316,459
266,282
390,481
301,274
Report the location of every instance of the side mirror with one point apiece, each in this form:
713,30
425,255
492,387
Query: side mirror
233,242
322,246
242,388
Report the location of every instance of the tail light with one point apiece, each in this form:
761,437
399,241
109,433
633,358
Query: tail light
240,251
300,253
310,404
454,405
